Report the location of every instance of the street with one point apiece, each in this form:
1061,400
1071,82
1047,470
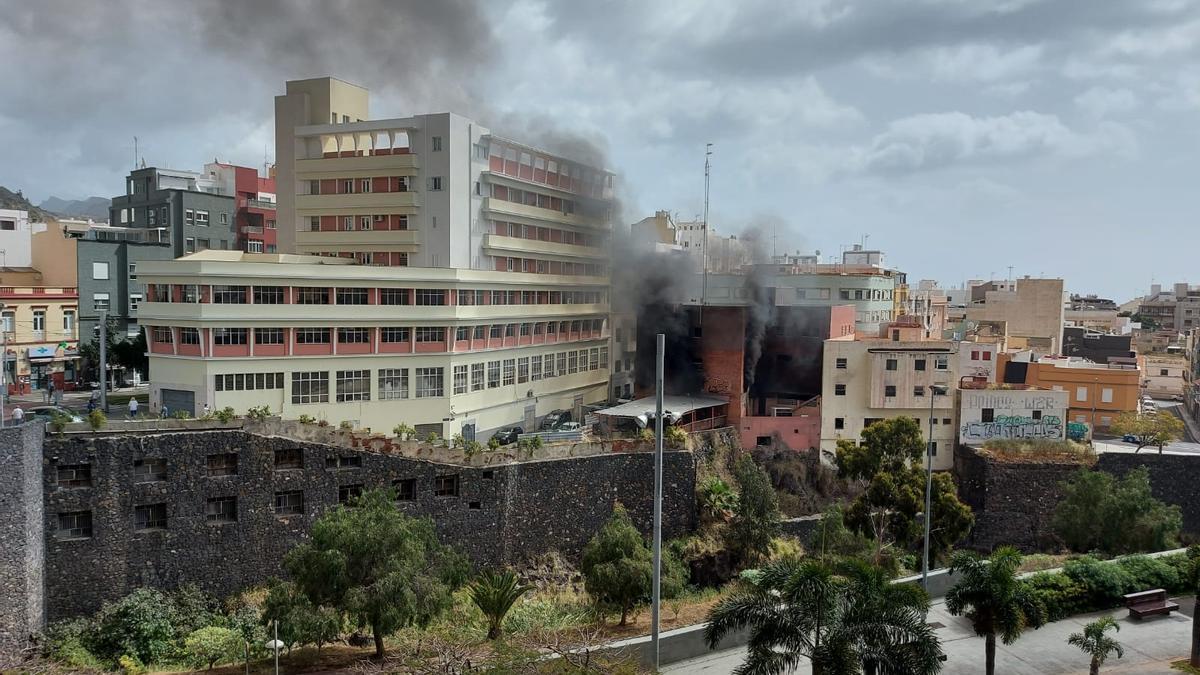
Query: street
1188,445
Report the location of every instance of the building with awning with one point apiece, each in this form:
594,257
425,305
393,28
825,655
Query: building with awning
695,412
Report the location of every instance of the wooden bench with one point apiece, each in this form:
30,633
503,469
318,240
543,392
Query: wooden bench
1148,603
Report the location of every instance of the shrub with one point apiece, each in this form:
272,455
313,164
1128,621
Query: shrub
322,423
493,443
431,438
674,437
130,665
535,443
259,413
181,415
786,548
64,644
139,624
59,422
1102,513
756,519
1150,573
494,593
404,430
647,434
1104,583
346,425
211,645
97,419
457,441
306,419
1061,595
225,415
472,448
717,499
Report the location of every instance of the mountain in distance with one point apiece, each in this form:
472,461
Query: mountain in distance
95,208
16,200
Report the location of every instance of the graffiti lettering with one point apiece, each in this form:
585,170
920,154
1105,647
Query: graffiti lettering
1014,426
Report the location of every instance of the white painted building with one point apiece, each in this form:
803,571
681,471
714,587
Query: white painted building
16,243
995,413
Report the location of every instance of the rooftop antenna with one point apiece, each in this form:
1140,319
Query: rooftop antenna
135,152
1010,269
704,232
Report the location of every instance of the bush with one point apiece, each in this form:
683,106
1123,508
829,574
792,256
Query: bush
131,666
306,419
225,415
140,625
493,443
717,500
211,645
64,643
674,437
431,438
756,519
647,435
404,430
346,425
97,419
59,422
472,448
1150,573
1104,583
259,413
181,415
1061,595
1102,513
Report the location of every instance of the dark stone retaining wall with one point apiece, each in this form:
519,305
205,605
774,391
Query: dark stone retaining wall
1014,501
22,599
502,514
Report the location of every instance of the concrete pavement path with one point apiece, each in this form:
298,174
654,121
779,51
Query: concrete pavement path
1150,646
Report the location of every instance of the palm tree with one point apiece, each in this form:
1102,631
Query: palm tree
990,595
845,618
1093,641
494,593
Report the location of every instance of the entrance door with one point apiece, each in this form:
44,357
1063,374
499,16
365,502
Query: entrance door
530,425
179,399
468,431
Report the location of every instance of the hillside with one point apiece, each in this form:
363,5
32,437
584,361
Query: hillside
16,200
95,208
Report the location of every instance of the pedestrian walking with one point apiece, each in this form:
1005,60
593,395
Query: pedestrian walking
58,396
206,411
18,415
133,406
50,390
165,412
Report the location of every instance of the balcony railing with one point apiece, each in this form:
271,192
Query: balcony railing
252,229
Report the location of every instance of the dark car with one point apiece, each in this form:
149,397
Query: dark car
554,419
1129,438
509,435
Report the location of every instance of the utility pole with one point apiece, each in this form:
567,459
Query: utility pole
704,232
934,390
655,600
104,360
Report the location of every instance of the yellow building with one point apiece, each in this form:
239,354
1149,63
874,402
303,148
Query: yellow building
41,342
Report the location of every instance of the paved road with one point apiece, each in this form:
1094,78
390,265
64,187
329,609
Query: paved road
1186,446
1150,646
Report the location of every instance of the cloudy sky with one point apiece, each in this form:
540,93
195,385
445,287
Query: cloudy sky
1060,137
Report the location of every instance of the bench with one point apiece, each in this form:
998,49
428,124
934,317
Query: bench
1148,603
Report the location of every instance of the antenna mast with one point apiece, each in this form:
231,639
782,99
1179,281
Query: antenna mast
704,231
135,153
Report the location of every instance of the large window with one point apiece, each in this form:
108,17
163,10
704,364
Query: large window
548,363
229,295
430,334
353,385
221,510
248,381
354,336
572,362
289,503
161,334
394,296
477,377
493,374
562,364
311,387
229,336
351,296
393,383
535,368
510,371
222,464
268,336
150,517
268,295
594,358
431,296
393,334
460,379
429,382
312,336
74,525
312,296
523,369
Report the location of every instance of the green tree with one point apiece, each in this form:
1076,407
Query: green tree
377,566
139,624
1155,428
300,622
888,446
617,566
845,618
494,593
717,500
756,518
211,645
1093,642
1101,513
989,594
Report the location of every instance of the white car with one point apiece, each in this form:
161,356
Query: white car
568,426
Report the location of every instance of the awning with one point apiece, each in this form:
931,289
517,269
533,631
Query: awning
674,407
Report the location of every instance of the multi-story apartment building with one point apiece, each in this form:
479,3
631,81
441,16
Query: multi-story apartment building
254,195
1033,310
188,207
865,380
1098,392
482,263
1176,310
106,261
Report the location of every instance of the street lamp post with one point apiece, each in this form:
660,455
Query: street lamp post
275,645
934,390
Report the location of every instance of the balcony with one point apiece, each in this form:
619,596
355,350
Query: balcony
252,229
494,243
362,166
255,204
364,203
356,240
33,292
533,215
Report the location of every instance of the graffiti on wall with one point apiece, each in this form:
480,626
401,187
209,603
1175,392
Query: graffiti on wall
1014,426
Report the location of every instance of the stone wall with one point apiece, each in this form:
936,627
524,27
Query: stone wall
500,514
22,600
1014,501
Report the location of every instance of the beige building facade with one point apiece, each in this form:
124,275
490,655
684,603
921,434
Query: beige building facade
1032,309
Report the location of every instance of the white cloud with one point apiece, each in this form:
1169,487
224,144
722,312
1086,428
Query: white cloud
1105,102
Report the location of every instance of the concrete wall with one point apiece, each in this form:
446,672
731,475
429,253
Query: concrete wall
501,514
1013,413
22,549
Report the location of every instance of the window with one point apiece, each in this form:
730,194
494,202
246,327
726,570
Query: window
100,270
268,295
496,331
289,458
429,382
312,296
312,387
889,391
222,464
548,365
535,368
134,300
221,510
460,379
945,420
919,364
1081,394
289,503
839,423
987,356
562,364
393,383
941,362
445,486
493,374
353,385
354,336
840,364
312,336
933,448
510,371
435,183
74,525
1106,395
149,470
150,517
100,301
393,334
435,143
351,296
1036,414
477,377
202,218
189,245
74,475
393,296
839,390
987,415
406,489
268,336
229,336
918,391
431,296
462,333
189,336
890,364
430,334
593,358
572,362
160,334
349,494
343,462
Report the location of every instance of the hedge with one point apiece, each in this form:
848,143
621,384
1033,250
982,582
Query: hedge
1086,584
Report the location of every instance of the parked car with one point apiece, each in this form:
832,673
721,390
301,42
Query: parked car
45,413
554,419
1129,438
509,435
568,426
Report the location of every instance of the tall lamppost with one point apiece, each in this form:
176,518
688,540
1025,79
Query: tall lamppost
934,390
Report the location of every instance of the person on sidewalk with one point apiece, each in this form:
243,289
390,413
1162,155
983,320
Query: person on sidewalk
133,406
18,415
